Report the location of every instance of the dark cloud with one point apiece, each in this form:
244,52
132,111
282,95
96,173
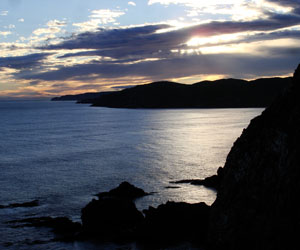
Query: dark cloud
273,61
23,62
285,3
34,83
295,34
144,42
295,4
111,38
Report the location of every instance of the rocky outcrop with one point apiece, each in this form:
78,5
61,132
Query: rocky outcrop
110,219
114,216
125,190
210,182
174,222
256,205
33,203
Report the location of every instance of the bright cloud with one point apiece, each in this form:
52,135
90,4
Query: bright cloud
5,33
106,15
3,13
132,3
53,26
99,17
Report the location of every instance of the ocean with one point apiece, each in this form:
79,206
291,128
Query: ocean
63,153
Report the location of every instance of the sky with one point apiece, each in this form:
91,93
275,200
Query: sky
56,47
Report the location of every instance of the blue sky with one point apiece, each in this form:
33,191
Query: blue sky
56,47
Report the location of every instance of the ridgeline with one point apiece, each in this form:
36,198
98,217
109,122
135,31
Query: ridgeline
225,93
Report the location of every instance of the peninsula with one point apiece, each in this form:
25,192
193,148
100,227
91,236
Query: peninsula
225,93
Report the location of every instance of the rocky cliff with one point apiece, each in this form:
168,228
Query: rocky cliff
256,205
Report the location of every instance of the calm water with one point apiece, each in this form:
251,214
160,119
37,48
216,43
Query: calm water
62,153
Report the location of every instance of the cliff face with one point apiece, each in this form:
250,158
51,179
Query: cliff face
256,205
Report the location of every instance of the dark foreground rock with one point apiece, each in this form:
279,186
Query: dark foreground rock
125,191
210,182
114,216
33,203
256,206
174,222
110,219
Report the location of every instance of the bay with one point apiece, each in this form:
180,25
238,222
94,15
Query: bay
62,154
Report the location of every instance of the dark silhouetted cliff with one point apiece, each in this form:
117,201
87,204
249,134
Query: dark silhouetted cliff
226,93
256,205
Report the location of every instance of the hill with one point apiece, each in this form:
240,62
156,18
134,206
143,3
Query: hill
226,93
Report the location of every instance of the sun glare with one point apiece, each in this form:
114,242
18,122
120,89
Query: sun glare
212,40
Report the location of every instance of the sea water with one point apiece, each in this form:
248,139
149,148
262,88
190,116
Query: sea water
63,153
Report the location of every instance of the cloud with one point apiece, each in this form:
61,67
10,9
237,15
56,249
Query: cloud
283,34
21,20
232,9
23,62
235,65
106,15
97,17
53,26
4,33
56,23
136,43
132,3
10,26
3,13
148,51
293,3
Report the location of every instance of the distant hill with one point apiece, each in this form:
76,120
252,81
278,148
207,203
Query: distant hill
225,93
79,97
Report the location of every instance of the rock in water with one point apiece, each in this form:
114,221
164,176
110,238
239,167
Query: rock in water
33,203
174,222
256,206
110,219
125,191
